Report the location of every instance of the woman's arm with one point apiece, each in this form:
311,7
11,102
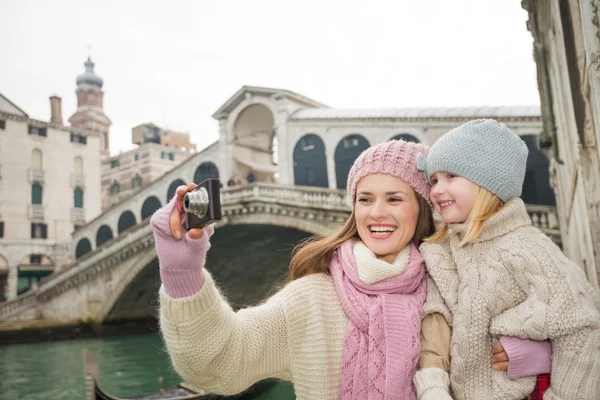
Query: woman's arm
209,344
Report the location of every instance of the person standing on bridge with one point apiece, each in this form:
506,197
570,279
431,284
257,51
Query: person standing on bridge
347,324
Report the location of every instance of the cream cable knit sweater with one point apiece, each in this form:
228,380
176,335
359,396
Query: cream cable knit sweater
296,335
514,281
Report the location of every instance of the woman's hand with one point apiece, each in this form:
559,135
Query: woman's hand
176,220
181,254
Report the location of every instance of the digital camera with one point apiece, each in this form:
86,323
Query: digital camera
202,206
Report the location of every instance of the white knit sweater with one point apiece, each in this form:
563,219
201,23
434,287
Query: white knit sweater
296,335
514,281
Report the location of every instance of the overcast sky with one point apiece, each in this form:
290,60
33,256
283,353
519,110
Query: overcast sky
175,63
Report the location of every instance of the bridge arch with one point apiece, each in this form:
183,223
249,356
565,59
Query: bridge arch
347,150
126,221
104,234
254,143
173,187
83,247
310,161
204,171
407,137
136,289
150,205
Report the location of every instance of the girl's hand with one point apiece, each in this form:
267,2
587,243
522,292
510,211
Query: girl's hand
176,218
499,358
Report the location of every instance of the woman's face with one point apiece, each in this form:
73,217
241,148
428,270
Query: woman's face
386,212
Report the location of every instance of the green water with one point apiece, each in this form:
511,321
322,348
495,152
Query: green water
129,365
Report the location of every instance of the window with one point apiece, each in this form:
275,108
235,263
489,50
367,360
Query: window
2,124
136,157
115,188
114,163
1,229
163,155
136,181
78,201
78,139
35,131
35,259
36,193
171,156
39,231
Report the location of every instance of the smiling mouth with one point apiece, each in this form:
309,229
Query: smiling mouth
382,230
445,204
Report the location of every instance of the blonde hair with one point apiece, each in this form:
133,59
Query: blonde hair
485,206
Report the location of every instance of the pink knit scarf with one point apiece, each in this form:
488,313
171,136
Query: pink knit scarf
381,342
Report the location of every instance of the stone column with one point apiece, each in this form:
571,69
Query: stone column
330,144
13,275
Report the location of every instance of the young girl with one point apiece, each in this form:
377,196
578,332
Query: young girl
494,274
346,325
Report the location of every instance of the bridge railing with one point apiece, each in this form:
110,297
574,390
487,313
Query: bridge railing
543,217
301,195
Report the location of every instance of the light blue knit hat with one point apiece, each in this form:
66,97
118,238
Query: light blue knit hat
483,151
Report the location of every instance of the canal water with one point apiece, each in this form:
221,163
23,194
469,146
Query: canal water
129,365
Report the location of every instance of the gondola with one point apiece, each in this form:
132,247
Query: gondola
183,391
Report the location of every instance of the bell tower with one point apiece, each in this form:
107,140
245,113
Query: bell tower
90,113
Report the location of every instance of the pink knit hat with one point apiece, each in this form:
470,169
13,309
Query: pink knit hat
397,158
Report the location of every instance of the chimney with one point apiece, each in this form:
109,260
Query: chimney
56,110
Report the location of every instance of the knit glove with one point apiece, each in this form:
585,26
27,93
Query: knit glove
181,261
432,384
527,357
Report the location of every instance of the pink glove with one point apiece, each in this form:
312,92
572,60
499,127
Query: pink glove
527,357
181,260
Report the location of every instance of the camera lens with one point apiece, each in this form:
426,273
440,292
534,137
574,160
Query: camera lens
196,202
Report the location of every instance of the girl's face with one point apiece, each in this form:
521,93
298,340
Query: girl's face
386,213
452,196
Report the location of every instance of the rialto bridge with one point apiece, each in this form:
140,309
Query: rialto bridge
300,152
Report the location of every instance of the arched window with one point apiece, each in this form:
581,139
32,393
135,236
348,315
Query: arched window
173,187
83,247
136,181
348,150
150,205
36,193
78,201
204,171
310,162
126,221
104,234
115,188
78,166
37,160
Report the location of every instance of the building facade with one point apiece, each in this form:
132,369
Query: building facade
158,152
566,38
50,178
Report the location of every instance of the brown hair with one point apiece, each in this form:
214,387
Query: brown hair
313,255
486,205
